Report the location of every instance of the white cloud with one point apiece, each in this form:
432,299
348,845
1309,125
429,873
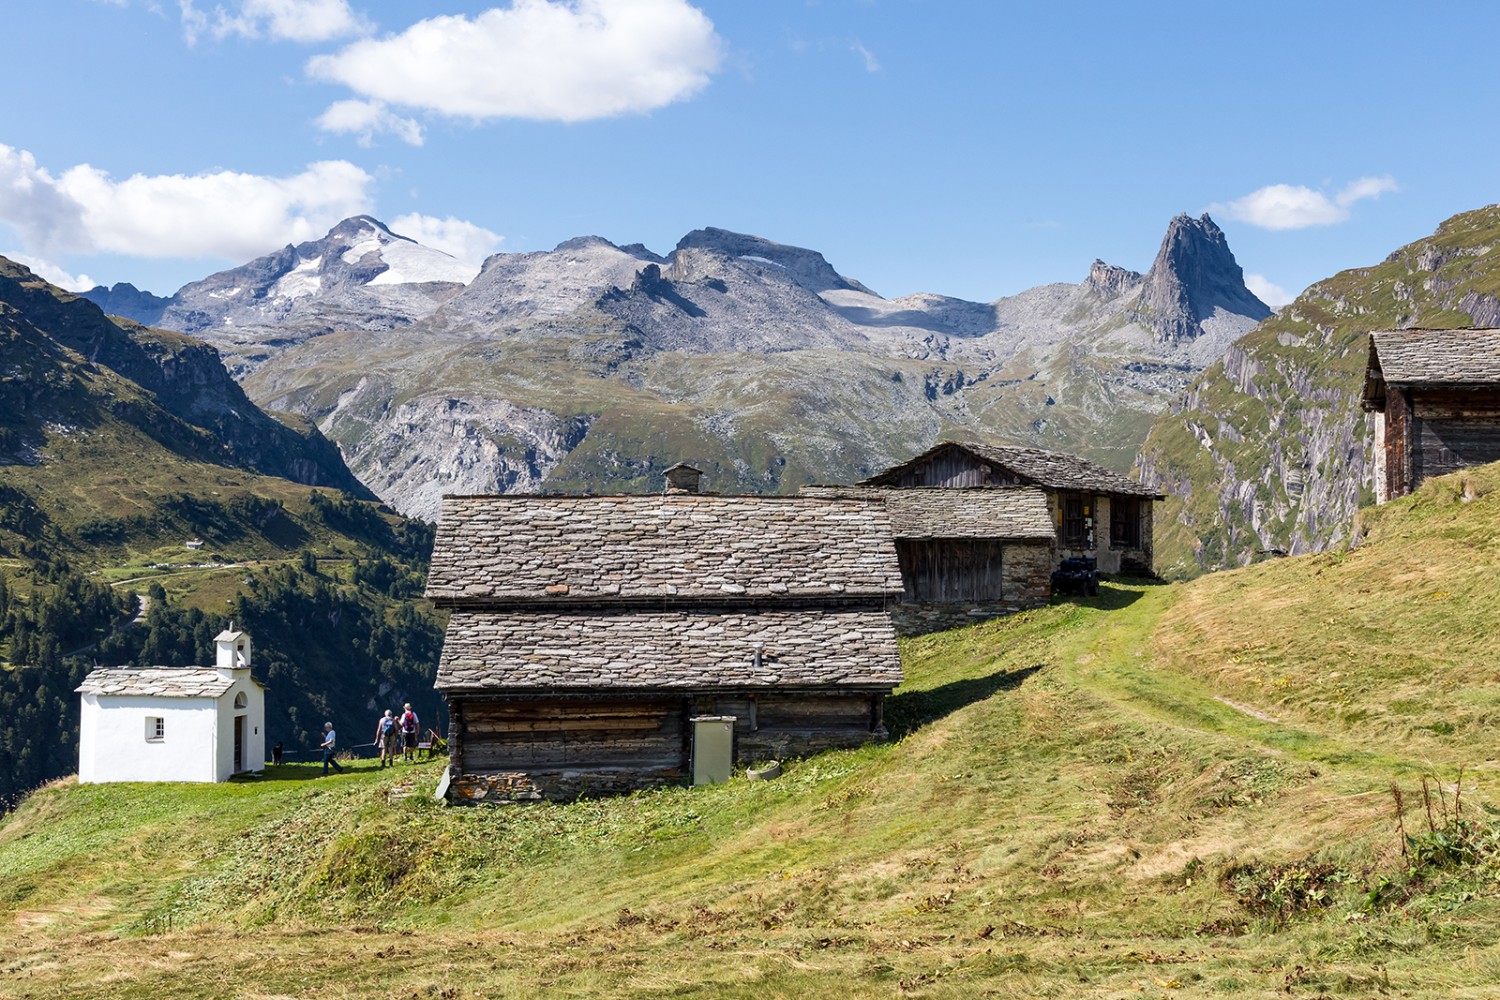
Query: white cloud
1285,206
218,214
283,20
569,60
51,272
1272,295
464,240
872,65
367,119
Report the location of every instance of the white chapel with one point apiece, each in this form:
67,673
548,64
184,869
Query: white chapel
174,723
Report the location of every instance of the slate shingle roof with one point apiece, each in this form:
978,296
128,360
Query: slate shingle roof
164,682
680,547
1053,470
1434,357
693,649
1013,512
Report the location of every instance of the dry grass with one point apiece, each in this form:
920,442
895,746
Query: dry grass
1082,799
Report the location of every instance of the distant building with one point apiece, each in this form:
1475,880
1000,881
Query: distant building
593,641
174,723
1093,512
195,543
965,554
1434,397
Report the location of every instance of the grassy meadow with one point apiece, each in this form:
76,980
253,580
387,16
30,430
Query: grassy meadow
1278,781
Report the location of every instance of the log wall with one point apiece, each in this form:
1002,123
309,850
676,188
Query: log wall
1452,430
528,748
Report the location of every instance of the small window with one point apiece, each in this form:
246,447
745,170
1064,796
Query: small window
240,701
1075,512
1125,523
156,729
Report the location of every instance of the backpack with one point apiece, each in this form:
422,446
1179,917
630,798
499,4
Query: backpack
409,722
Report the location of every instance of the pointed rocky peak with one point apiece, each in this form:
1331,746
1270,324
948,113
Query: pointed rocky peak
1194,277
1110,281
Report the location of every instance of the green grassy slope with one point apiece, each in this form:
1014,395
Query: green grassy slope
1269,448
118,445
1178,790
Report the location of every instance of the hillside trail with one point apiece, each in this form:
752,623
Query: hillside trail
1117,662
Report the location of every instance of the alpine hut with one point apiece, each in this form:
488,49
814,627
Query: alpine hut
1434,400
592,638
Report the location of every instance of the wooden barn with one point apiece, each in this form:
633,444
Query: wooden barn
1434,397
1093,511
587,634
965,553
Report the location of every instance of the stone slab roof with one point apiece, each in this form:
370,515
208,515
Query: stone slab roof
1012,513
1433,357
1052,470
679,547
684,649
164,682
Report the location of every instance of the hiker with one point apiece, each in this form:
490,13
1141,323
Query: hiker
328,744
409,729
386,735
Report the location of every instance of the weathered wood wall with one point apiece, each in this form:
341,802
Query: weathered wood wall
951,569
525,747
603,732
1452,430
954,468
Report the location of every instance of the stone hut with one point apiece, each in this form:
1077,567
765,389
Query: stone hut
966,553
587,633
1093,511
1434,401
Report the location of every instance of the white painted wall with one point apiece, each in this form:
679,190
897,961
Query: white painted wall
198,743
255,726
112,743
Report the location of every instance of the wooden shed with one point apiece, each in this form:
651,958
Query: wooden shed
587,632
965,553
1093,511
1434,396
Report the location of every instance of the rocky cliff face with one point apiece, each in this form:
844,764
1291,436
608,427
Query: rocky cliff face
592,365
1268,449
170,386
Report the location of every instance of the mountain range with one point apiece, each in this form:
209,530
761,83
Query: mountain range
594,366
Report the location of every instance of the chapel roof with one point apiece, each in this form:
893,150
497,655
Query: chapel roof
164,682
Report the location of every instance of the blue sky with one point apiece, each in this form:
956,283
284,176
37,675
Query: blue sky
973,149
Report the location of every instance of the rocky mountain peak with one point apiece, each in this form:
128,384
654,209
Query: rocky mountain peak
807,267
1109,280
1194,277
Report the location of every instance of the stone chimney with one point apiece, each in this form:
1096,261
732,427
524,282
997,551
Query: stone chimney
683,478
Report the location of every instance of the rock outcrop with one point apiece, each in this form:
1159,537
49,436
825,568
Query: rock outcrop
1268,450
1194,279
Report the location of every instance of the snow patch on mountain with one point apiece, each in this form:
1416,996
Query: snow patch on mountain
408,262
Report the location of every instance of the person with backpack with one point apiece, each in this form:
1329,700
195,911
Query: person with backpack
409,729
387,735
